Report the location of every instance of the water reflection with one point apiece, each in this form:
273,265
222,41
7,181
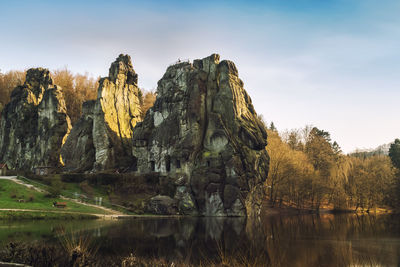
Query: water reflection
310,240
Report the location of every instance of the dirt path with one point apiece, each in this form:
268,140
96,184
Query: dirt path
16,180
100,216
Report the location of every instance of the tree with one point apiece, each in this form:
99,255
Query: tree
320,151
290,176
147,102
77,89
317,173
336,148
370,182
8,82
294,140
272,127
394,153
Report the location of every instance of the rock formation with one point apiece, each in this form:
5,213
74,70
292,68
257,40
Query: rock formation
78,151
34,124
205,140
102,138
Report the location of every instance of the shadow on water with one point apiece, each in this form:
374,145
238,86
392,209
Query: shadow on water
308,240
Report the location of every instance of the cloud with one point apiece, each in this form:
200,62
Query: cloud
334,64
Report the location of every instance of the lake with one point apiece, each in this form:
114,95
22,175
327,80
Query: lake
307,240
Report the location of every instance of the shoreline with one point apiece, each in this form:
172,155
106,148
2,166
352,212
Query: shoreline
276,211
26,214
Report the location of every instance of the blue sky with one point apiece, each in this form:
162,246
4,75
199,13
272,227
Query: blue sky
334,64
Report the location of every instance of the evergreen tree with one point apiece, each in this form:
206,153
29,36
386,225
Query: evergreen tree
272,127
394,153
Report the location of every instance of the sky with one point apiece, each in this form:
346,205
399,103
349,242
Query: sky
334,64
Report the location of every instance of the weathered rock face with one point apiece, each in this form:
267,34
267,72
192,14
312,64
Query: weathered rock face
78,151
204,138
34,124
104,132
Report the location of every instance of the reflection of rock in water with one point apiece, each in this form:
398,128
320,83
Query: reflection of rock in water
173,238
215,227
171,227
210,228
309,240
97,232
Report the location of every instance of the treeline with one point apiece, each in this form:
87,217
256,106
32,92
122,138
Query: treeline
8,81
308,170
77,89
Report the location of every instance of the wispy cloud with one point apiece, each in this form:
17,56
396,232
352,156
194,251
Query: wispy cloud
334,64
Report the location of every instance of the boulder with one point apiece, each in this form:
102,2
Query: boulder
35,124
161,205
203,127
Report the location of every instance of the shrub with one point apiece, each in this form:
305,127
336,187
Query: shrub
104,178
85,187
152,178
73,177
54,189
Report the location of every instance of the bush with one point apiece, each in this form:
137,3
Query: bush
54,189
85,187
103,178
73,177
152,178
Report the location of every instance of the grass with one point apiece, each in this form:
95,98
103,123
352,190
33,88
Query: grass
43,215
11,193
69,190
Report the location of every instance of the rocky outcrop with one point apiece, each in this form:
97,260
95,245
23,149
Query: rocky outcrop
104,132
161,205
34,124
205,140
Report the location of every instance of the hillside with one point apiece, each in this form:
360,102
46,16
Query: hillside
15,197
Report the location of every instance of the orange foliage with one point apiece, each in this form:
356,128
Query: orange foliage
147,102
77,88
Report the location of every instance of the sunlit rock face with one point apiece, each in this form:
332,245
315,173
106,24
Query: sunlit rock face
204,138
104,132
34,124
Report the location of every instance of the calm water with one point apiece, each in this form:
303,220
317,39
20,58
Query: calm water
309,240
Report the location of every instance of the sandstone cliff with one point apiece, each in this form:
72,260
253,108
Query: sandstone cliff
34,124
78,151
103,135
204,138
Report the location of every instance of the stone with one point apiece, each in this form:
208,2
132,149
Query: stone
186,203
203,126
105,129
34,124
161,205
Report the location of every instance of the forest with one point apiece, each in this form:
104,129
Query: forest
307,169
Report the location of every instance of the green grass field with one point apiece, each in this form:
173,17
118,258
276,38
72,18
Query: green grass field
69,189
10,193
